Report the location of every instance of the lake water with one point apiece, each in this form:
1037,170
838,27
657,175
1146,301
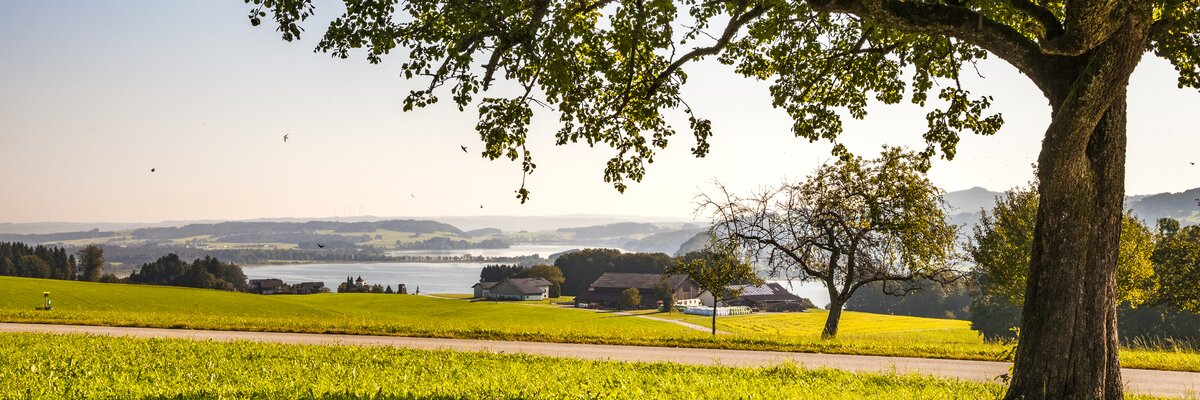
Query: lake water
543,250
431,277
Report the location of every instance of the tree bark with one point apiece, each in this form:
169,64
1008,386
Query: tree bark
1068,341
714,316
835,317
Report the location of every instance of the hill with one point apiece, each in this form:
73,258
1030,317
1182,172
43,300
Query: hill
89,303
610,231
1182,206
662,242
971,200
964,205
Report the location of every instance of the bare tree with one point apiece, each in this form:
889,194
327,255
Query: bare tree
851,223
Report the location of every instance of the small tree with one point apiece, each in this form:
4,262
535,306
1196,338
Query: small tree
851,223
91,261
715,269
630,299
666,296
388,290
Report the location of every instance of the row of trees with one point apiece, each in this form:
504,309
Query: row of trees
581,268
350,286
206,273
19,259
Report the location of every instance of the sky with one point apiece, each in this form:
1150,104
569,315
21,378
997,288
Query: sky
95,94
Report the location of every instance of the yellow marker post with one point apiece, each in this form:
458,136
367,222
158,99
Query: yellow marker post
47,296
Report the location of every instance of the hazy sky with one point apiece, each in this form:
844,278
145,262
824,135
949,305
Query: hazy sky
94,94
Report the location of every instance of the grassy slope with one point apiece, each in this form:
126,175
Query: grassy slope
40,366
158,306
155,306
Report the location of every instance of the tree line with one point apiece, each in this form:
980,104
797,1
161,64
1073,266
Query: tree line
580,268
309,251
204,273
87,264
19,259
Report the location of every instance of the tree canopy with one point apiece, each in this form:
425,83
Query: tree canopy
613,70
1177,264
1002,243
849,224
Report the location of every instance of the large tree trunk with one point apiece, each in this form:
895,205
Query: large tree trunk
1068,344
831,321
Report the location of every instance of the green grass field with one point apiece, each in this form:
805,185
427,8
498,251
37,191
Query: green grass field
157,306
360,313
44,366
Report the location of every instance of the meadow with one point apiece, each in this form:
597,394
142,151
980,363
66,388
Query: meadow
169,307
45,366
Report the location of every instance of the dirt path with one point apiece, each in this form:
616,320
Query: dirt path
689,325
1159,383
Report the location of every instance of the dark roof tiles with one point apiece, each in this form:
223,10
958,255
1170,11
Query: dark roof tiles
623,280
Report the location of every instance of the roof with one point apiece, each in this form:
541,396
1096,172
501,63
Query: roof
625,280
769,292
267,283
523,285
485,285
313,284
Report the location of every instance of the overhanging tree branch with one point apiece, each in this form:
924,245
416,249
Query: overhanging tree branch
731,29
947,20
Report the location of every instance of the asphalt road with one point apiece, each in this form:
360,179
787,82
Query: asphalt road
1159,383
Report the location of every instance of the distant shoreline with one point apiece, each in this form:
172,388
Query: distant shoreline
305,262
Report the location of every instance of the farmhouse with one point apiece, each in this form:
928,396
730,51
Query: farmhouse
606,290
309,288
768,297
268,286
520,289
482,289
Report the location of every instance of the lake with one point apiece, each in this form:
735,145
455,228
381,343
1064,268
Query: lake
431,277
543,250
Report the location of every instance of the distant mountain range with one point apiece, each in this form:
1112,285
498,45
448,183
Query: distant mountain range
964,205
507,223
632,233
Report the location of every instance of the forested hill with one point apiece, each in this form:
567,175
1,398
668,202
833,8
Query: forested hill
238,229
611,230
1182,206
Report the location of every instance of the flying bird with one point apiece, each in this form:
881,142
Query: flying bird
464,148
411,195
152,169
1193,163
481,206
285,137
321,246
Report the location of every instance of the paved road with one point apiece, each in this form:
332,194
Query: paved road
1160,383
